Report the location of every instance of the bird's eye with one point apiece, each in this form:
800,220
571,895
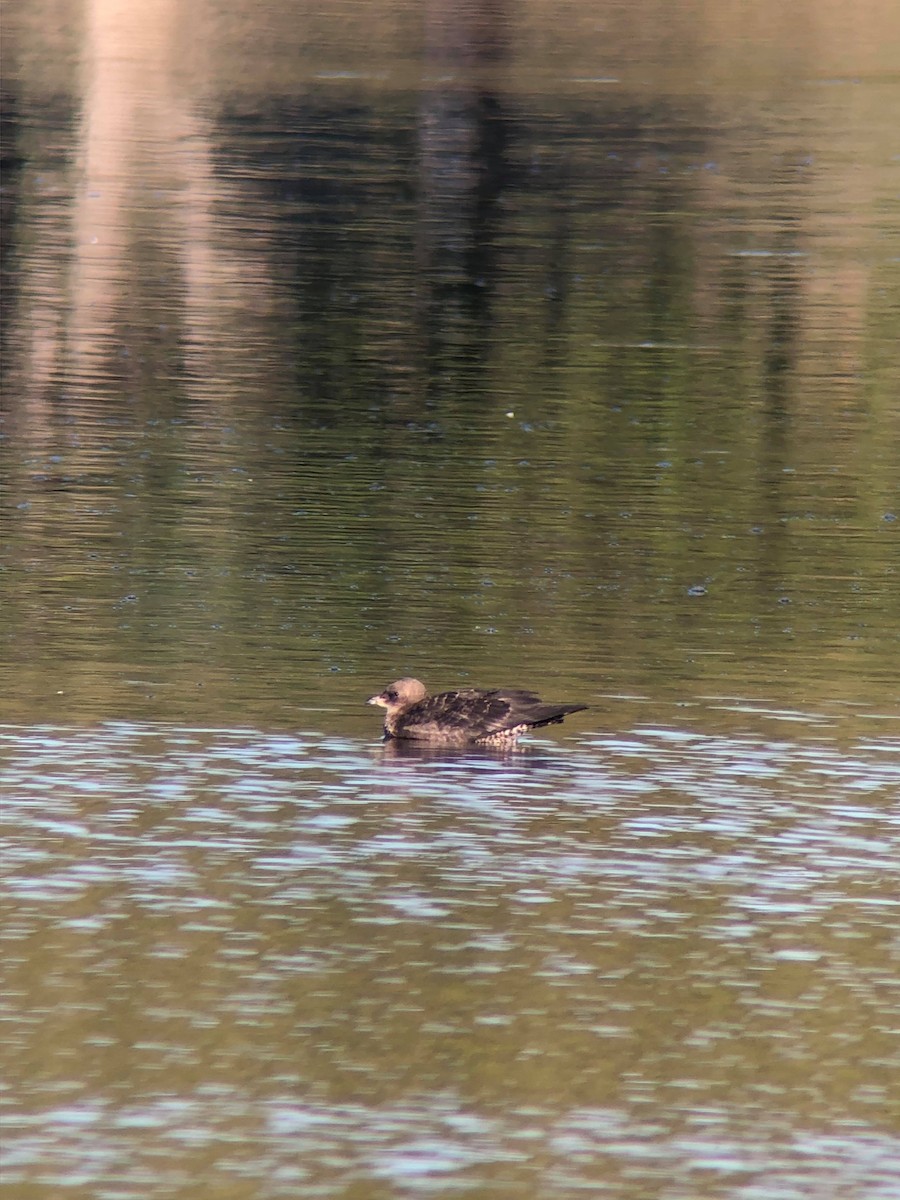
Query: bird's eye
391,695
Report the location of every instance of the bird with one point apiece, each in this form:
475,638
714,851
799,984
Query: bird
465,717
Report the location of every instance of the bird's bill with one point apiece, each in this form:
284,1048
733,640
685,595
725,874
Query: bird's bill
379,699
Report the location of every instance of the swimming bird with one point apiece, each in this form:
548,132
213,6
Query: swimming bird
466,717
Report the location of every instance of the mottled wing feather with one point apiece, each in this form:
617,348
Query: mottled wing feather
472,715
469,712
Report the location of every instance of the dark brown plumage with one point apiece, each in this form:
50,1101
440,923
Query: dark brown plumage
467,717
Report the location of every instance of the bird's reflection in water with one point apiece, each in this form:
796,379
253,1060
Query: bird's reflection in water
400,751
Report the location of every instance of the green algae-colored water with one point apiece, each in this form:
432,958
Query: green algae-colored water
492,349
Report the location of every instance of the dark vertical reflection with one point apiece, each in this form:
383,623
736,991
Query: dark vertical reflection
11,162
784,303
462,170
778,362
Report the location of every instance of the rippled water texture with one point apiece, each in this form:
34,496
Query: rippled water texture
529,345
284,965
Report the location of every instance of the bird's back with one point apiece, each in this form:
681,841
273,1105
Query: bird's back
471,715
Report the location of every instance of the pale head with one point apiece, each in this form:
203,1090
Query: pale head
400,694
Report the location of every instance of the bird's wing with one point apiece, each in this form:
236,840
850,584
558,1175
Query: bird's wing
468,711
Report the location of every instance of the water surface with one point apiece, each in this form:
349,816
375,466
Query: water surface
495,345
285,965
